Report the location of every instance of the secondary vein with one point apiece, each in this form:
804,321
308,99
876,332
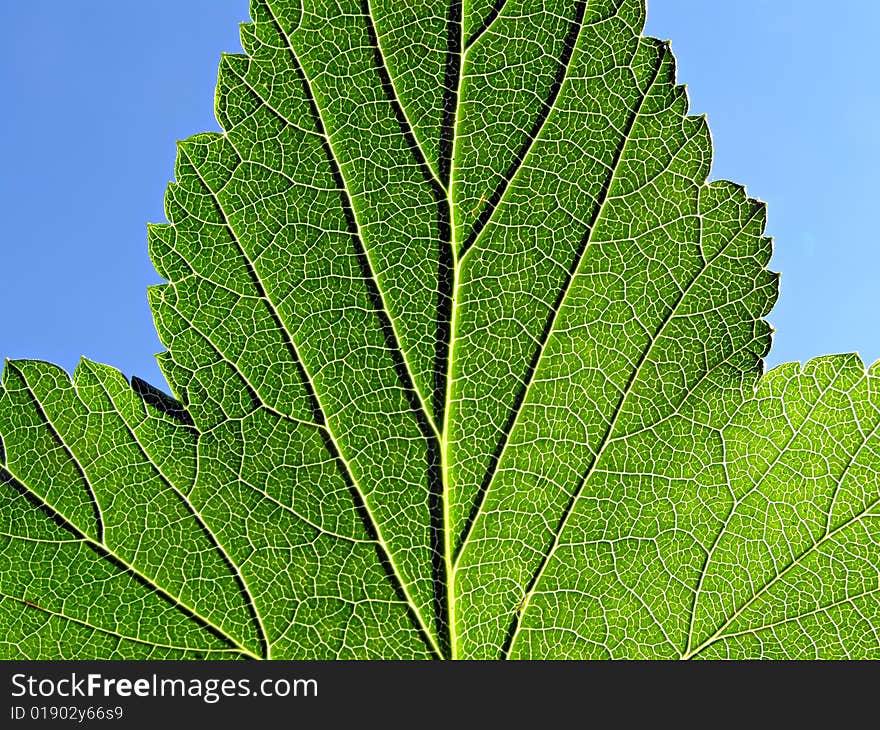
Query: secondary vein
106,551
334,160
557,308
238,577
346,467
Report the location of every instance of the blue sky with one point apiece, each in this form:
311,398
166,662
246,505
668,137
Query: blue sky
97,91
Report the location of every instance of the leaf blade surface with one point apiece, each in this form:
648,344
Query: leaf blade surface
467,354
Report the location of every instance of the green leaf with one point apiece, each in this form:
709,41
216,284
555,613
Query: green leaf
467,355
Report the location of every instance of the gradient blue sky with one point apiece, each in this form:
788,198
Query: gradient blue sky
97,91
